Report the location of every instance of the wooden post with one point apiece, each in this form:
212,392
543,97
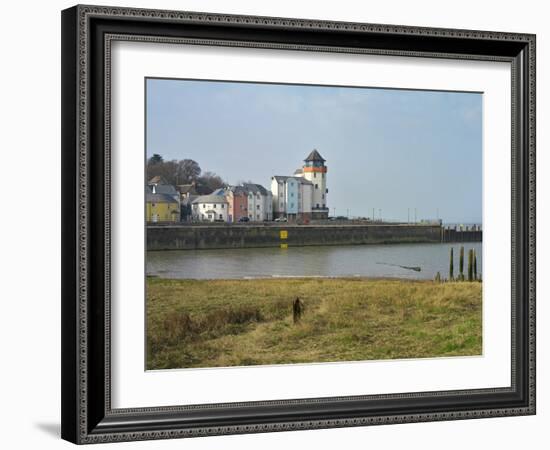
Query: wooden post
461,264
475,266
451,266
297,310
470,265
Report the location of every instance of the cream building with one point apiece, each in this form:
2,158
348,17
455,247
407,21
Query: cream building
259,202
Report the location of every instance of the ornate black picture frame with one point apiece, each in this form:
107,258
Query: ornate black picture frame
87,33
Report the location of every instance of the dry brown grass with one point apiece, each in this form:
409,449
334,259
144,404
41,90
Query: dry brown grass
213,323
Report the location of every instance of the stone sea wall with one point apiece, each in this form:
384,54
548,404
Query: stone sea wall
186,237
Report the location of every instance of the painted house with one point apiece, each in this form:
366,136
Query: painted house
161,208
260,202
237,198
292,197
210,208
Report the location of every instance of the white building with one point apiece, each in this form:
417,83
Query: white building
292,197
211,208
302,196
259,202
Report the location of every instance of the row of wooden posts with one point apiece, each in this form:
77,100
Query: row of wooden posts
472,274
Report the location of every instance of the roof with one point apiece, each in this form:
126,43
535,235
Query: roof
158,179
255,188
186,189
210,199
165,189
284,178
160,198
237,189
220,191
314,156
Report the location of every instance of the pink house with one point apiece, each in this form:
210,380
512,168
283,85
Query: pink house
238,203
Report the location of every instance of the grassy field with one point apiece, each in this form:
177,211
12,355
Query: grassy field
213,323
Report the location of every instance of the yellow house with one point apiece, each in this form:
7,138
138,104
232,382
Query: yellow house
161,208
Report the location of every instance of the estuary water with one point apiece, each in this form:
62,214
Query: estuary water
396,261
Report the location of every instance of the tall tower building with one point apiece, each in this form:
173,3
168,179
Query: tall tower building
315,171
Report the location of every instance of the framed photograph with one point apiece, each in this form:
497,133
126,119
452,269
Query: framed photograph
276,224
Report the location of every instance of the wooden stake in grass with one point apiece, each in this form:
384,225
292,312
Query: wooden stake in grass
475,266
297,310
451,266
461,265
470,265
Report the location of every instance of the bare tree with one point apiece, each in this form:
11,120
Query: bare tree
184,171
209,182
188,171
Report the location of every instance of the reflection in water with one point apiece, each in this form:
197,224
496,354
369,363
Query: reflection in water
329,261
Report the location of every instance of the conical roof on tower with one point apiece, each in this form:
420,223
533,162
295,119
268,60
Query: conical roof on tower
314,156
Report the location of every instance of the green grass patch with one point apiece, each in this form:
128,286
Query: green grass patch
220,323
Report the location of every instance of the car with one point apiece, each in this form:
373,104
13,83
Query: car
281,219
244,219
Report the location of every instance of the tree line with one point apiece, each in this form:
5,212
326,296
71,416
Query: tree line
183,171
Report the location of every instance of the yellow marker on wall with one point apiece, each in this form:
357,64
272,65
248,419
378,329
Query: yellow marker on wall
284,245
284,234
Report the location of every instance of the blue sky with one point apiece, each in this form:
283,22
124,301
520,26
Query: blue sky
386,149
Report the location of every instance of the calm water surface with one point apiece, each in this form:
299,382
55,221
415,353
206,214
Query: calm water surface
329,261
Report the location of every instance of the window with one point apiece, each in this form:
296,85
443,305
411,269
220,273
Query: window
258,196
317,206
204,206
316,186
214,206
292,194
221,216
223,206
323,196
257,206
282,206
323,206
314,174
153,205
292,205
258,216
